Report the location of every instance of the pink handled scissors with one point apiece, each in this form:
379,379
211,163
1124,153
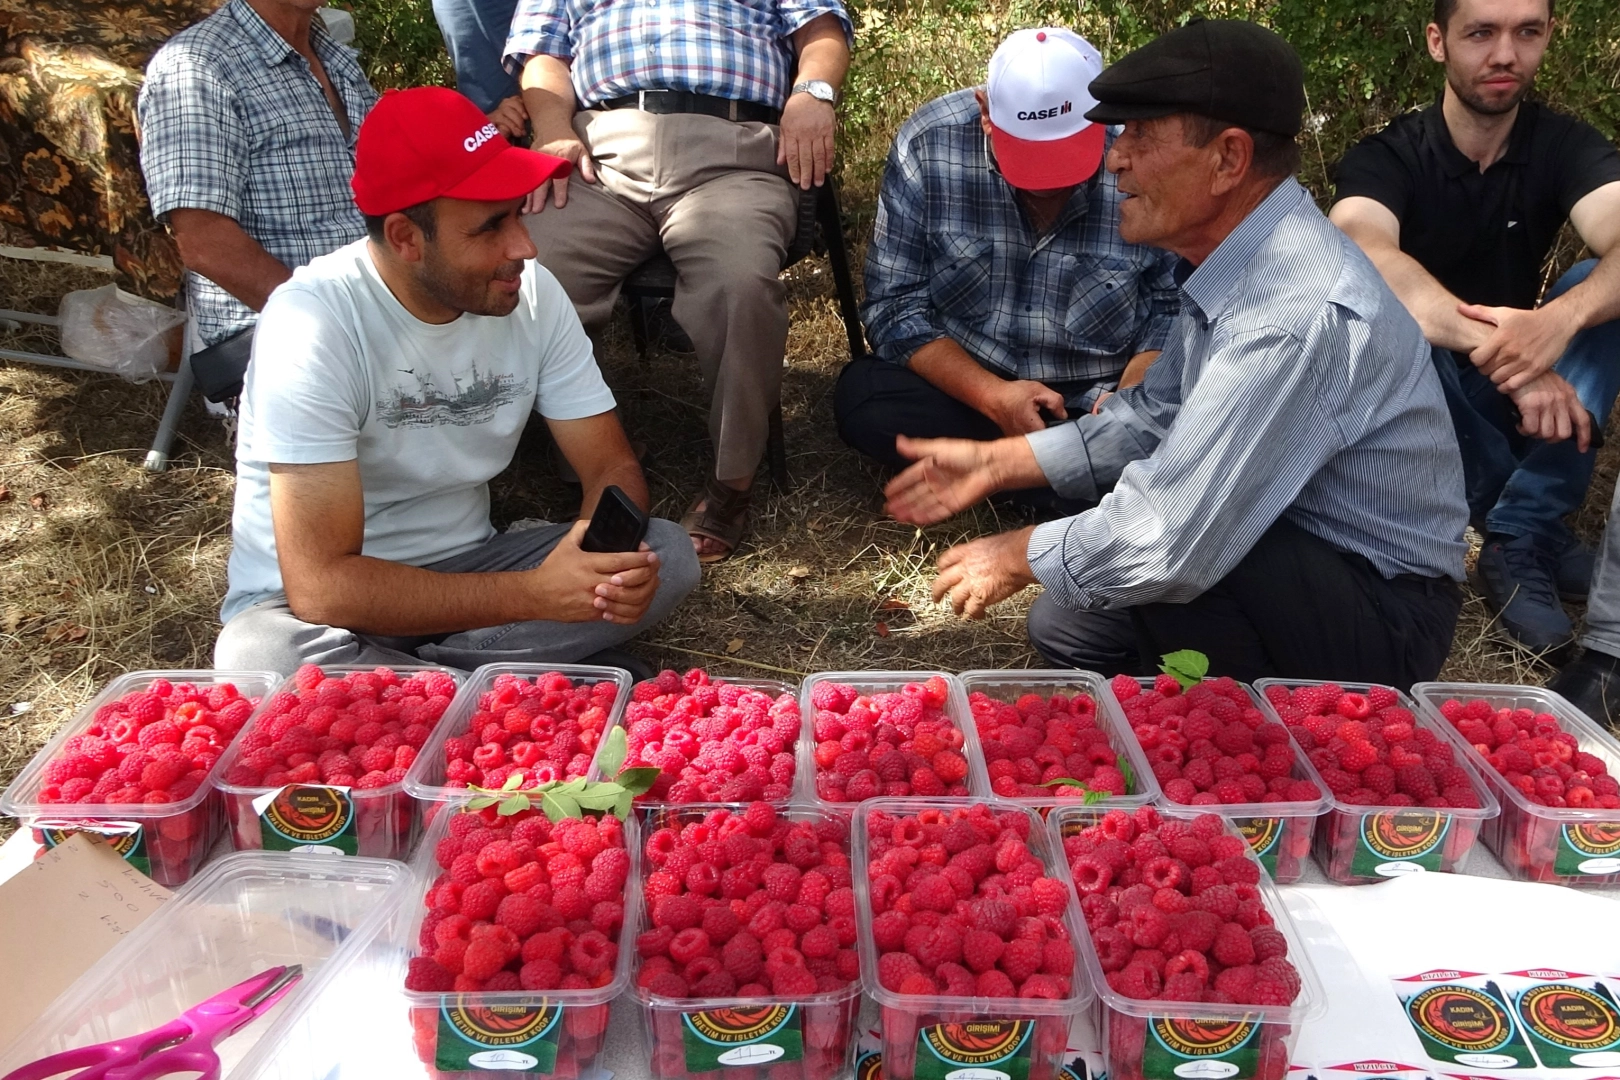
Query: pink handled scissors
185,1045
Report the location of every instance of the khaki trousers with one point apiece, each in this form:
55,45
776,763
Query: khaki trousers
709,192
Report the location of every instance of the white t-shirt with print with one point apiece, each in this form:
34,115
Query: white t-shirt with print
342,371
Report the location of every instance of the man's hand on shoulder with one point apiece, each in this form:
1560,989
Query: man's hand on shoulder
1522,344
1550,410
805,145
573,585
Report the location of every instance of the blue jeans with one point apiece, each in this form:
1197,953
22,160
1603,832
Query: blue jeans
1515,485
475,36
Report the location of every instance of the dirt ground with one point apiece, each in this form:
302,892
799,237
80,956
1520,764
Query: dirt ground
106,568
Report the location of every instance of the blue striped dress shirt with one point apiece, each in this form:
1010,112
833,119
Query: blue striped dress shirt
1295,385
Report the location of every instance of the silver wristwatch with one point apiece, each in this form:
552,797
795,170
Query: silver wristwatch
819,89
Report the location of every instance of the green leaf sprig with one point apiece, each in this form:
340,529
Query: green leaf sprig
575,798
1188,667
1091,798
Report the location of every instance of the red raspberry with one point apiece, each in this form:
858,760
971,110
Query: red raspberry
520,913
1022,958
1233,946
425,975
482,959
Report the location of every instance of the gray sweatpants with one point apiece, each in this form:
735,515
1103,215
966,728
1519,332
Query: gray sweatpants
268,636
1603,603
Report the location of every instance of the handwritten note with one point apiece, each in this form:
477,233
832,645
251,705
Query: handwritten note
58,917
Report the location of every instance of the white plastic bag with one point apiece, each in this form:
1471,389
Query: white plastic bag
124,333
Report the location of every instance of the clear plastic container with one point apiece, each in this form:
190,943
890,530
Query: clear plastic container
167,841
1279,833
885,682
1359,845
510,1029
805,1038
375,822
246,913
1142,1041
425,780
774,688
927,1037
1009,686
1563,845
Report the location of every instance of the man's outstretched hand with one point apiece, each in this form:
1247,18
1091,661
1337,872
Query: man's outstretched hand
984,572
951,475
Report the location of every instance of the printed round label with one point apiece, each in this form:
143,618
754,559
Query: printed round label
1463,1019
1206,1070
1487,1061
1397,869
1570,1016
757,1054
512,1060
308,814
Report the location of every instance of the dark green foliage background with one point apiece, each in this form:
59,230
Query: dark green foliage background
1364,59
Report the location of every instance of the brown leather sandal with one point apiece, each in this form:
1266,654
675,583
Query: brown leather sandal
724,518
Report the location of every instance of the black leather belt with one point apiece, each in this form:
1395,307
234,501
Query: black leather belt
682,101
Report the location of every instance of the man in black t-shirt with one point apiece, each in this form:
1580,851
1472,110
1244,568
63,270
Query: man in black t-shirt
1458,205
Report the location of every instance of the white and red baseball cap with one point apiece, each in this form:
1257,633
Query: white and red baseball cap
1039,90
429,141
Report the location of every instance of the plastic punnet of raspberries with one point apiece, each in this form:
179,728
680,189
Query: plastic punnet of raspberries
1370,749
1535,755
886,744
1175,912
1208,744
961,906
151,746
359,730
523,903
747,904
540,729
714,741
1047,747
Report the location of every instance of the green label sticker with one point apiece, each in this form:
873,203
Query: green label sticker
1264,835
1467,1025
1588,848
307,817
975,1050
1189,1048
1571,1026
503,1038
756,1035
1399,842
125,837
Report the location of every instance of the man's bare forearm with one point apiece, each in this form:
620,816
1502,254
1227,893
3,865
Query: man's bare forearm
627,477
218,248
375,596
548,95
947,366
1594,301
823,51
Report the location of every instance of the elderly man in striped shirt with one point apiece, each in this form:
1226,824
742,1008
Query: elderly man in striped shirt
692,125
1287,490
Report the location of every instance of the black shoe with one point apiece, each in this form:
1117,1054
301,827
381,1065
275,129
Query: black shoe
1591,682
1516,576
1574,574
639,669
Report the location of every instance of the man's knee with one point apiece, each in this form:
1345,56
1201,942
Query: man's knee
1102,641
268,637
860,422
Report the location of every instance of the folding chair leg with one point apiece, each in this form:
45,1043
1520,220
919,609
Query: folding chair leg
832,234
776,450
639,331
157,458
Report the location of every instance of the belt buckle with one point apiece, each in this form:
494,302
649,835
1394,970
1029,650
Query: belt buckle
641,100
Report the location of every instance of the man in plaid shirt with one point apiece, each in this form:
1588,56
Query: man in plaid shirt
693,126
998,292
247,125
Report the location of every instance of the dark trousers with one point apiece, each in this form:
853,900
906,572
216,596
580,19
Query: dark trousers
875,401
1294,607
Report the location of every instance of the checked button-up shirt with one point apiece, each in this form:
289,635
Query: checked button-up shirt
741,50
953,255
234,121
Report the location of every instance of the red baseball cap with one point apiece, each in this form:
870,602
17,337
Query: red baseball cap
1039,93
428,142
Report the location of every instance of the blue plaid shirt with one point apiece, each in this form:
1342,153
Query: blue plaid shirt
736,49
233,120
952,255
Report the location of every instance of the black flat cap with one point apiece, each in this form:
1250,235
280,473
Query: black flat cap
1225,69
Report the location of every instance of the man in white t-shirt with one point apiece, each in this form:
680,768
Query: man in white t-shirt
392,380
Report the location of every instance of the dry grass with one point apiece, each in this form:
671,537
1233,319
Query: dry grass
106,568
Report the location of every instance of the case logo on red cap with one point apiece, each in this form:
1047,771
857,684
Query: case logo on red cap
480,137
1047,114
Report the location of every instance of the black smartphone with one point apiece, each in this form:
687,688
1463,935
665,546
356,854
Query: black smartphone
618,524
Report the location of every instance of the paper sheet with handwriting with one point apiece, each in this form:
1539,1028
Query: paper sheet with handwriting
58,916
